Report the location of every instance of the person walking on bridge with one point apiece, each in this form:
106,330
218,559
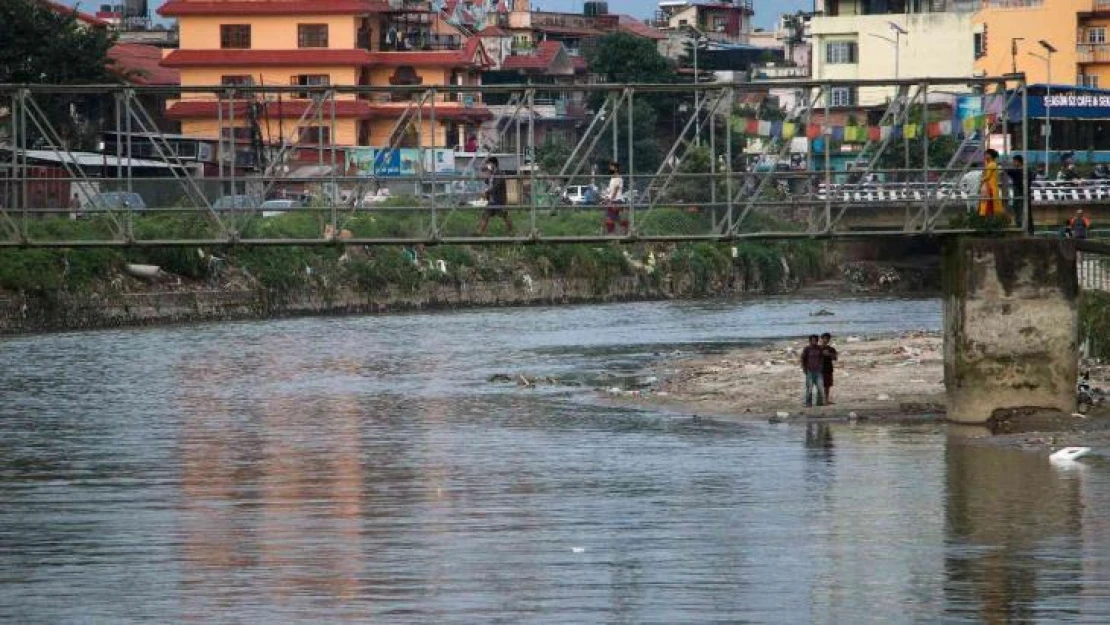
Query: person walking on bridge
497,198
614,197
813,363
990,201
1021,187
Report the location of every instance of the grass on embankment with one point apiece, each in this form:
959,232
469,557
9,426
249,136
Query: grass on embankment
693,269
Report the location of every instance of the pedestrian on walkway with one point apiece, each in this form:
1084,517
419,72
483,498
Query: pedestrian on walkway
613,202
812,364
828,360
1021,187
497,198
990,202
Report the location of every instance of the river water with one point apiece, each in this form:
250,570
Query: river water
362,469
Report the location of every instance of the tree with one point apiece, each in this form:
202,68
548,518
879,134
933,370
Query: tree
552,154
40,44
623,58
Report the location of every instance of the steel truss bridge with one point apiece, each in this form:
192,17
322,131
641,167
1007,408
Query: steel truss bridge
701,186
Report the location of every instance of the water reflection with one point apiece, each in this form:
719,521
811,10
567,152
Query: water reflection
1015,535
362,469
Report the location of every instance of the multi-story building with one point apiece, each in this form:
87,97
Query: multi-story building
314,43
728,21
883,39
1062,42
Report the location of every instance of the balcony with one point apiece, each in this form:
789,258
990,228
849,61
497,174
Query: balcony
1093,53
418,41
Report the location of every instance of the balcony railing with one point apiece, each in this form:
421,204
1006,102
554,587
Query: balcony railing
1014,4
413,41
1093,52
1101,5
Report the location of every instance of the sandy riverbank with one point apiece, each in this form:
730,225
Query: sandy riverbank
878,379
882,376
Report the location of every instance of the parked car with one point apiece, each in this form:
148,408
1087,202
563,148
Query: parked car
114,201
580,195
237,203
275,208
374,197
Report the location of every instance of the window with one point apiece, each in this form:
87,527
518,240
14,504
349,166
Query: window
312,35
1096,35
235,36
841,52
309,80
980,44
843,96
719,24
1086,80
237,80
320,135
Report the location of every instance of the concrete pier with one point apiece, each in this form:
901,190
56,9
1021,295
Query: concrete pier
1011,326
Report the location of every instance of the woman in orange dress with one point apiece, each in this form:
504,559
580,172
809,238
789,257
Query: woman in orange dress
990,200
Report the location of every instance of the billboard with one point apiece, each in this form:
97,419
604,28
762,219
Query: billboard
400,162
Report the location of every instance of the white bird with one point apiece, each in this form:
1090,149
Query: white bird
1069,454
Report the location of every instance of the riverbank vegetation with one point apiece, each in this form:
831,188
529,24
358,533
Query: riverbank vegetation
1094,321
701,269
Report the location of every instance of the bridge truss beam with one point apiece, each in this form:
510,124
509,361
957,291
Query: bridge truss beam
92,166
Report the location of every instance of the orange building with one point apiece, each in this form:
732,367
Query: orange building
1007,32
318,43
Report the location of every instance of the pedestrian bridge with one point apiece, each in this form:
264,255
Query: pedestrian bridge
697,163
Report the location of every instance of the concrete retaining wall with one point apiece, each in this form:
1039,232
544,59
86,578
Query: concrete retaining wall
1011,326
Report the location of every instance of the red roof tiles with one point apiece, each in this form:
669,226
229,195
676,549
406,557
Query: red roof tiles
288,109
246,58
84,17
177,8
634,26
540,60
141,65
493,31
444,111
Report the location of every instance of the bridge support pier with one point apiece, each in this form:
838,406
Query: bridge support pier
1011,326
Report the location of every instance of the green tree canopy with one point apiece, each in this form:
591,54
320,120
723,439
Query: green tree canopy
40,45
621,57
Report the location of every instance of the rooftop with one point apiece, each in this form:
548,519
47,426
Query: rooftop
178,8
141,65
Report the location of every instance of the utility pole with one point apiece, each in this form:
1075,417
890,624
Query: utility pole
1014,51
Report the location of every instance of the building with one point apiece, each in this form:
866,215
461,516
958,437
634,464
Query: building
314,44
729,21
883,39
1007,36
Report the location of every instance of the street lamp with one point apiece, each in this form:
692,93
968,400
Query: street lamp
897,41
697,81
1047,58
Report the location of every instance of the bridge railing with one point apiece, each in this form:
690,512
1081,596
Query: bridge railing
95,165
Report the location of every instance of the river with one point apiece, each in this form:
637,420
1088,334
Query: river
363,469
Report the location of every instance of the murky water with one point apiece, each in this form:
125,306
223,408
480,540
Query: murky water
363,470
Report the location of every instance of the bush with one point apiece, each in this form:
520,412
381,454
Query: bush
1094,321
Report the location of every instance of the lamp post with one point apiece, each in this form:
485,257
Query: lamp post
1047,58
697,94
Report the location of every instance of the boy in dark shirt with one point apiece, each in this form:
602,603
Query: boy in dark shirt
812,363
828,357
496,198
